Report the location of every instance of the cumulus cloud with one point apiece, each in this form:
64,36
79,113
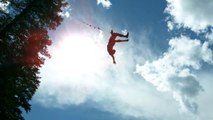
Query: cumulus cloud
124,31
4,6
192,14
173,72
209,36
105,3
90,77
204,99
66,11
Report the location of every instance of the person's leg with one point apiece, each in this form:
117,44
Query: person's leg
122,40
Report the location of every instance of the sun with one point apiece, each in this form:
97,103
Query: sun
79,54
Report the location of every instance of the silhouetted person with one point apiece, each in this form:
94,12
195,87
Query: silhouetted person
112,41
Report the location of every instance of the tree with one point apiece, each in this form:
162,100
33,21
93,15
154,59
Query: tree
23,48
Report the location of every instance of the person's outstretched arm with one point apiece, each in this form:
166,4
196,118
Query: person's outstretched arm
121,35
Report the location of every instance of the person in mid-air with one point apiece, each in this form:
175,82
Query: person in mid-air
112,41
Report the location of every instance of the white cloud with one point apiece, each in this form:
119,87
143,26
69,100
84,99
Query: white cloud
209,36
66,11
193,14
105,3
124,31
4,6
109,87
205,98
173,71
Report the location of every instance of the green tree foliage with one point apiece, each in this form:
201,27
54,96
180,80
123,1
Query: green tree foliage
23,48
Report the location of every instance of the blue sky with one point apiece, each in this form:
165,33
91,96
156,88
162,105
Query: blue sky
162,73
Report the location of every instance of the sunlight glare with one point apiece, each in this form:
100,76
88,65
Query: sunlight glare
79,54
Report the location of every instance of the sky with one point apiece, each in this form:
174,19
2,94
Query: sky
162,73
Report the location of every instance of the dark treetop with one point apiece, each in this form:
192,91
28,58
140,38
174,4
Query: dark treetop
23,49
